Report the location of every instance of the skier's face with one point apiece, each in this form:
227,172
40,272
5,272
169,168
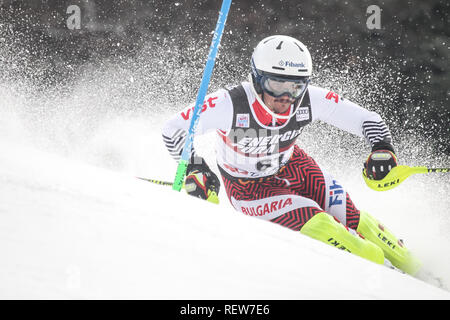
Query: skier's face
279,104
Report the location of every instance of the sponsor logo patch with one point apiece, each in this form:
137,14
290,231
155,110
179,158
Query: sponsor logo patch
264,144
336,193
388,184
242,120
302,114
267,208
206,104
331,95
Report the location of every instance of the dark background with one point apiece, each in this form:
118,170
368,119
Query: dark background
409,54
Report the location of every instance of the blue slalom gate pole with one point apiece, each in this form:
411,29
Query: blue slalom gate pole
185,156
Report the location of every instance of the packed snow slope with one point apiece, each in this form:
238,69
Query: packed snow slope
69,230
75,223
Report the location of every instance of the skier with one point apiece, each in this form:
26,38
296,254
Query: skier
267,175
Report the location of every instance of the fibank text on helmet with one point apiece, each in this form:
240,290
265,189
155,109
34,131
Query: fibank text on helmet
293,64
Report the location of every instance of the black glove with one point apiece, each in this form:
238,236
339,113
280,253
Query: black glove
379,163
200,180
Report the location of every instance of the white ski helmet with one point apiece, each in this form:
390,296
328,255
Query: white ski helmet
286,63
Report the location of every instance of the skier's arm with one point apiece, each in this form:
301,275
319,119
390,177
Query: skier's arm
346,115
216,114
331,108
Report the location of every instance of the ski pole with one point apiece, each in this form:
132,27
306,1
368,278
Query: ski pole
397,175
163,183
212,195
186,154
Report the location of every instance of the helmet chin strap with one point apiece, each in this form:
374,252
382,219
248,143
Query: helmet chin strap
266,108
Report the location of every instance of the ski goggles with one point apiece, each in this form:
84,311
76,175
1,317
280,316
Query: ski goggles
277,86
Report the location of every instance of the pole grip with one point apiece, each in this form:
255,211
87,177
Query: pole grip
179,176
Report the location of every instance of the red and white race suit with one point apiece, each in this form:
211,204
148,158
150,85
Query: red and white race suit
265,173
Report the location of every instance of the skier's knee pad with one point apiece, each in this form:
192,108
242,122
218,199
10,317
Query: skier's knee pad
393,249
325,228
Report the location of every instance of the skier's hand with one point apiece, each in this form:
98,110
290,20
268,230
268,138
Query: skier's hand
379,163
200,181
